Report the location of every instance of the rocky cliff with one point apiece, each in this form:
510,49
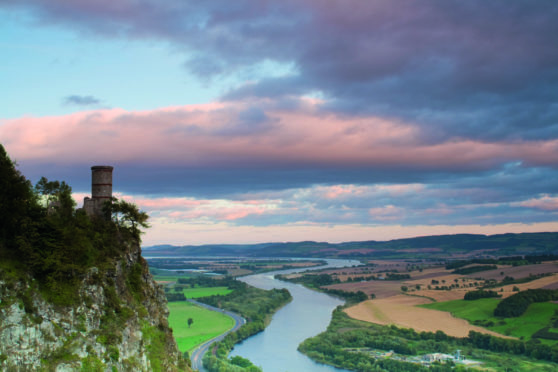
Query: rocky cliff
118,322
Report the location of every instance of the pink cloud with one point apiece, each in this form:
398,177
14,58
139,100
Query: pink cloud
387,213
546,202
190,209
200,135
339,191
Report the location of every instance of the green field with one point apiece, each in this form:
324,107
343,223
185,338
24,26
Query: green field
207,324
198,292
480,312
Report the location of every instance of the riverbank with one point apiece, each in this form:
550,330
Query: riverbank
254,304
308,314
196,356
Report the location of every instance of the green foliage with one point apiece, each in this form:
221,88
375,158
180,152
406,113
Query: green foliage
474,269
175,297
517,304
340,346
478,294
63,354
134,281
112,353
314,281
537,317
156,340
241,362
48,248
127,216
92,364
461,263
42,234
254,304
213,363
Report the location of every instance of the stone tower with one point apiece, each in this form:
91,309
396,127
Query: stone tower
101,190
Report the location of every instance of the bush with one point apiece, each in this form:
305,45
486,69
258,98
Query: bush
475,295
517,304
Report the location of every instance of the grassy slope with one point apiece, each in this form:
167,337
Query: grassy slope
205,291
207,324
537,316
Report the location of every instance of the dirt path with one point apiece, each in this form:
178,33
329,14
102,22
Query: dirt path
401,310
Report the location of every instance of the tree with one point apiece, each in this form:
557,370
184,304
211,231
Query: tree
190,322
17,203
127,215
56,196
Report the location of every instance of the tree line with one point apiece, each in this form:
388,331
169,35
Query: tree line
518,303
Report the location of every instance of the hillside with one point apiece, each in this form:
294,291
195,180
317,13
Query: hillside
419,247
75,293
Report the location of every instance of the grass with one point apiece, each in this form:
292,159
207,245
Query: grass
207,324
205,291
537,316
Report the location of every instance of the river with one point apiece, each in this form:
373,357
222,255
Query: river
308,314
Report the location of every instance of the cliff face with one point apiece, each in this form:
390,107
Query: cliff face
118,322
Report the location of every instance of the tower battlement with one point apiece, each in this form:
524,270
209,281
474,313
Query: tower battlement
101,190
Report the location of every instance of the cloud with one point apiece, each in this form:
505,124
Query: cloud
81,100
405,116
296,137
459,69
181,233
544,202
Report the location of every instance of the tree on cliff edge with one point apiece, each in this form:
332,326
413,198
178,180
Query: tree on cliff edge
127,215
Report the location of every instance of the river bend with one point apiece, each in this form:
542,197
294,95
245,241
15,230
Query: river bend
308,314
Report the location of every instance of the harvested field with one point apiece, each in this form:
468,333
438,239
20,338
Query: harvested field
429,273
380,288
239,272
401,311
552,286
441,296
447,279
545,282
517,272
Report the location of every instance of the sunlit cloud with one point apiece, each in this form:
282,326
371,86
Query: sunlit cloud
216,134
545,202
337,120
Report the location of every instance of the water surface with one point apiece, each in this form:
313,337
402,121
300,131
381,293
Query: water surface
308,314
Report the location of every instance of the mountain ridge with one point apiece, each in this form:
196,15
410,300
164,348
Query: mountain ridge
506,244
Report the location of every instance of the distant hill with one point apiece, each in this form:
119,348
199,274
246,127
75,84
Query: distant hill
419,247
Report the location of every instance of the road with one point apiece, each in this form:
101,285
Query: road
197,355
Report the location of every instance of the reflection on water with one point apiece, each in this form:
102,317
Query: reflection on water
309,313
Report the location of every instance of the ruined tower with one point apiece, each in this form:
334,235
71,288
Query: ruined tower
101,190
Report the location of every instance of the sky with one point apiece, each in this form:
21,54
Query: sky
255,121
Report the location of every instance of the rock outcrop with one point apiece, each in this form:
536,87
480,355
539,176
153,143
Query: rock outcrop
117,323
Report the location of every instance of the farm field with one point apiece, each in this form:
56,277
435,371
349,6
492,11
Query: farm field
207,324
198,292
517,272
381,289
537,316
401,310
